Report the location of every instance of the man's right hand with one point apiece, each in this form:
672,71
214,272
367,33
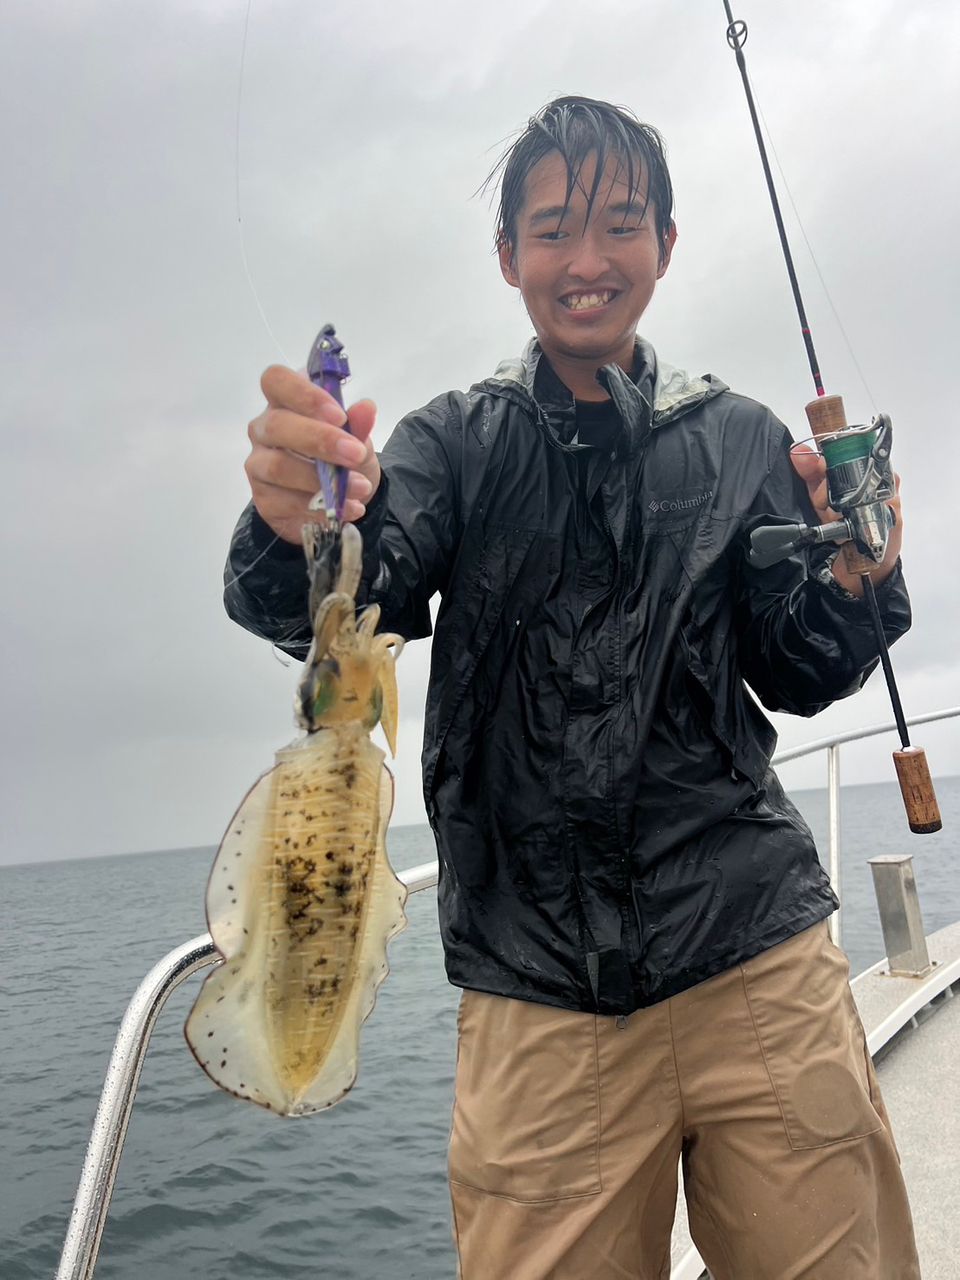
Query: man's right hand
301,424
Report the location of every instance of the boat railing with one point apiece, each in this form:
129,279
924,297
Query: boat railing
832,747
92,1202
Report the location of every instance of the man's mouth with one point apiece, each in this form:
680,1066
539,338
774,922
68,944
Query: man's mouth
588,301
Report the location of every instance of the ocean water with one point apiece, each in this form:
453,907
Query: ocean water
211,1187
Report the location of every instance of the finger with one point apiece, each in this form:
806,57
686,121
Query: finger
282,469
277,504
358,486
896,511
284,506
807,463
287,512
818,491
362,417
819,495
284,429
286,389
353,510
812,469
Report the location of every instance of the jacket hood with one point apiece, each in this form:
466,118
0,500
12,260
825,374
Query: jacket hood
674,390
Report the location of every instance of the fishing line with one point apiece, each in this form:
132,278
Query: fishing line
813,259
736,39
253,563
243,256
243,248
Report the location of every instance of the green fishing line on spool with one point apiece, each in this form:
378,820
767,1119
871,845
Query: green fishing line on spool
848,446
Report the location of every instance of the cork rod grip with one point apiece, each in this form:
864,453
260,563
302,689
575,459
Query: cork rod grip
827,416
916,787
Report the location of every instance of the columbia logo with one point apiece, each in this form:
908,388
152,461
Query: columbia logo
680,503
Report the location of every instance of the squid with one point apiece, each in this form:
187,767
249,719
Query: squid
302,899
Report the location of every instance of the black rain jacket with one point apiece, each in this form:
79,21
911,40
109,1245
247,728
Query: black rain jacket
595,769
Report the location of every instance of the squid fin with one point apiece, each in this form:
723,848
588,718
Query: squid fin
225,1029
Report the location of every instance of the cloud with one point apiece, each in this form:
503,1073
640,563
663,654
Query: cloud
136,713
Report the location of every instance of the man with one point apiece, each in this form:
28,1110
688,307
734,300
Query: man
634,909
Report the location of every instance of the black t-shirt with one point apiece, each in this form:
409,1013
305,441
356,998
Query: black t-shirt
598,423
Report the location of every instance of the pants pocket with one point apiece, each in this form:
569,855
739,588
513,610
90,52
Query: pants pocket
526,1116
812,1040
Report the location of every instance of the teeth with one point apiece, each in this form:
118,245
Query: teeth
583,301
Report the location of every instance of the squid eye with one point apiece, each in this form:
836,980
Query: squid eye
325,686
376,708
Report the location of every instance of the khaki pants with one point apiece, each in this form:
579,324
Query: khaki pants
568,1130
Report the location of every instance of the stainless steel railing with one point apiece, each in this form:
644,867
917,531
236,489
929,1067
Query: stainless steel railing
832,747
97,1177
92,1201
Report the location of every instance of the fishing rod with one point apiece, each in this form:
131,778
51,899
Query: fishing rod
860,480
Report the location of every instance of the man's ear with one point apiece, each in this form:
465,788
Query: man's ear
508,265
669,240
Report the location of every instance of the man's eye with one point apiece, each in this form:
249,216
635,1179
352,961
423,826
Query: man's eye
622,230
551,235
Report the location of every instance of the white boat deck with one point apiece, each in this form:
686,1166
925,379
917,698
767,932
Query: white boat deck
921,1087
913,1031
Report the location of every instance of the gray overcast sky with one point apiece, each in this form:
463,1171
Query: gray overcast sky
136,715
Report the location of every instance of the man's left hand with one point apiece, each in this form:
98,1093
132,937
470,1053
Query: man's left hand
812,469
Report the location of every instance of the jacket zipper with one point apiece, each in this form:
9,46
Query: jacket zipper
625,870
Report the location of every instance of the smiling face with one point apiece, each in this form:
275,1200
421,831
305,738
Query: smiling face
585,281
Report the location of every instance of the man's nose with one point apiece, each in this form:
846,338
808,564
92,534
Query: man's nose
588,260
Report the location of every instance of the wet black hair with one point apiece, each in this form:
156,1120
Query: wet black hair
577,128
